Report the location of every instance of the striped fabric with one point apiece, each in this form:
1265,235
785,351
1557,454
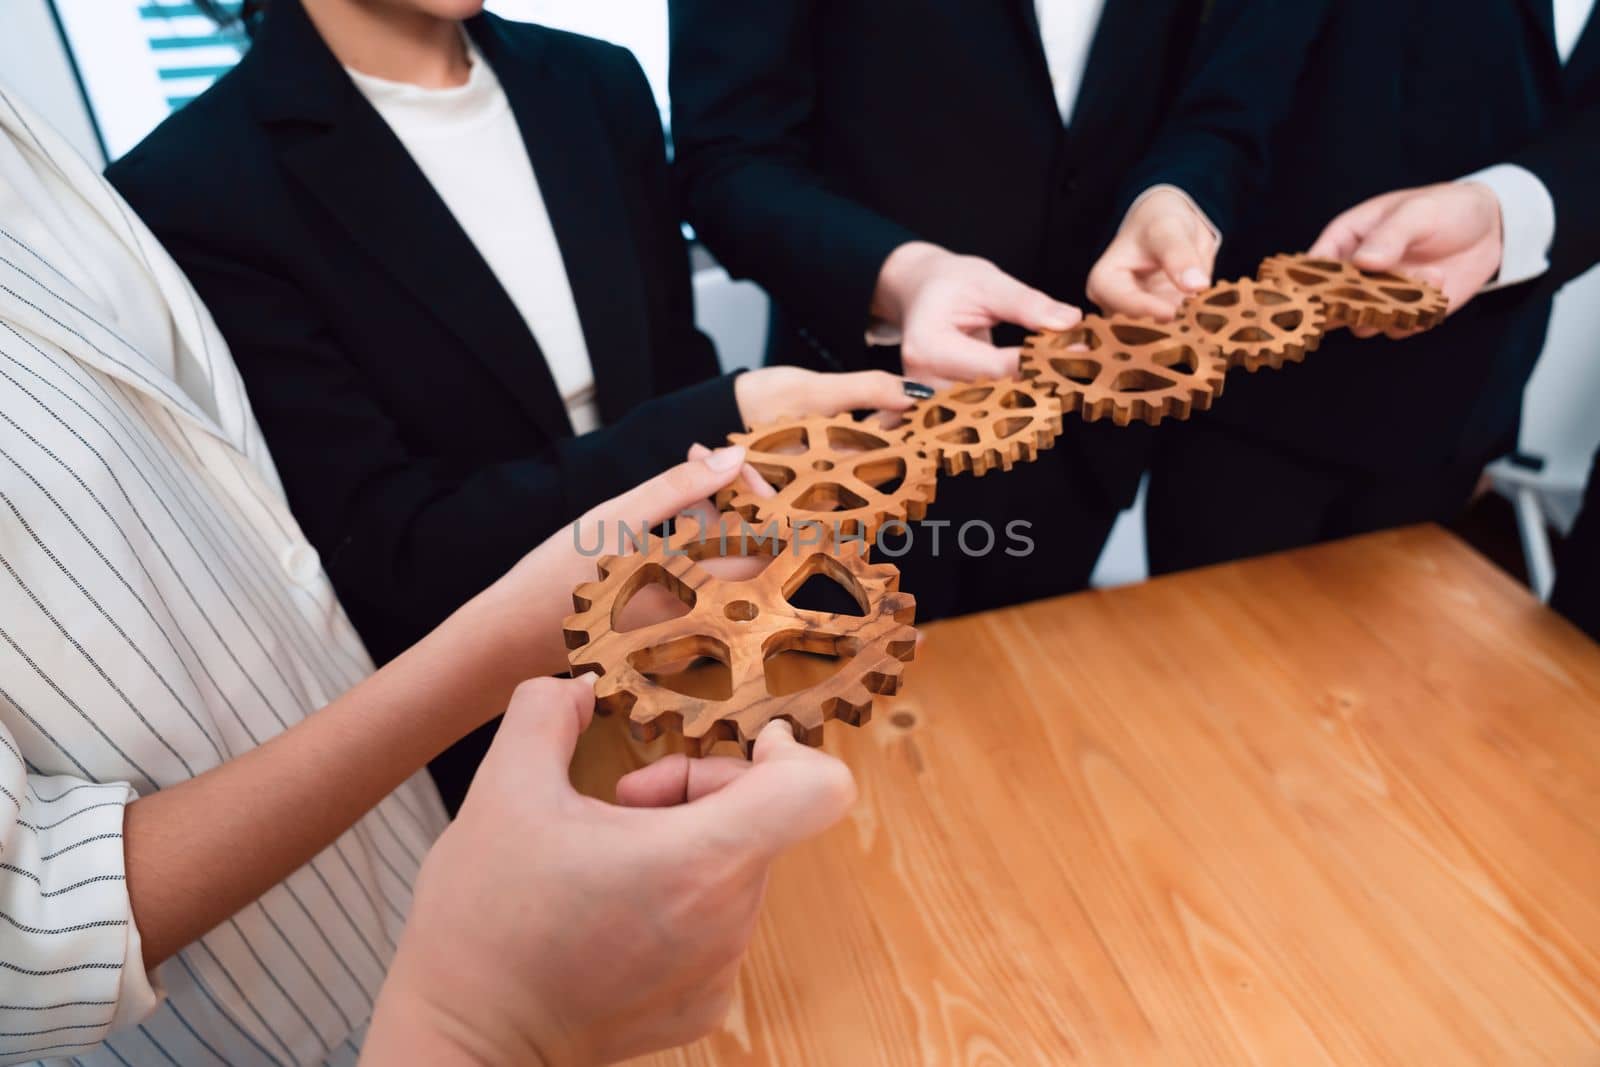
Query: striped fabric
160,613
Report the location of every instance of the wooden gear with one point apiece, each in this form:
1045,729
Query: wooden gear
743,625
1125,369
850,476
1365,299
980,426
1257,324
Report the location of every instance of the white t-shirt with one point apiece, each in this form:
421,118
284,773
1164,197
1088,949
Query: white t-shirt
466,142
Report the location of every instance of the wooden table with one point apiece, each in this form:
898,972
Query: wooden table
1340,806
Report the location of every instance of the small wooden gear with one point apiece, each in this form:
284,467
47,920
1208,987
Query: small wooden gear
1125,369
1257,324
1354,297
850,476
750,627
981,426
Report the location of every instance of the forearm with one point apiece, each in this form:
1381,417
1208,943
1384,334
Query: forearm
417,545
201,851
1239,87
817,253
1566,162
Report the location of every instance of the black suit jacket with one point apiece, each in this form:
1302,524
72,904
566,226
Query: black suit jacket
1346,99
419,433
814,137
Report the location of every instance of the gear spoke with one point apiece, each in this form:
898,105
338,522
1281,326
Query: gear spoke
826,484
1125,369
982,426
741,624
1354,297
1257,324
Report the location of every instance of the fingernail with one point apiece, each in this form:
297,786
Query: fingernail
589,678
916,390
1061,317
725,459
1195,278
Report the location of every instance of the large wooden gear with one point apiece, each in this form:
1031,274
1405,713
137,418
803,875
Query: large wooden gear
1257,324
747,626
1127,370
982,426
1358,298
850,476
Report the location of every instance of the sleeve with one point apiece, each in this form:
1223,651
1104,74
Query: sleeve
683,355
1566,161
71,965
744,90
401,531
1527,222
1239,86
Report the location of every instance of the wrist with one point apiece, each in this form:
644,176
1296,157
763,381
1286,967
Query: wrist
902,274
1492,209
408,1027
424,1014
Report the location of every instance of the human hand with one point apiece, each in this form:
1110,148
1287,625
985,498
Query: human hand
525,608
1447,235
773,393
1164,252
946,307
549,928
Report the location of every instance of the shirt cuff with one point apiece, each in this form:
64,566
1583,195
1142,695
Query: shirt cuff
1216,234
1527,222
881,334
138,993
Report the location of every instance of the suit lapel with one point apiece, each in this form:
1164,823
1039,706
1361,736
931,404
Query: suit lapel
354,166
1118,60
578,173
1543,15
1585,62
1024,15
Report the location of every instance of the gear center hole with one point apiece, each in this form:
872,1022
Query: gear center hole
822,465
741,611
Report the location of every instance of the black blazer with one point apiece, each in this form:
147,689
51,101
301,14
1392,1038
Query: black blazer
419,434
1351,98
814,137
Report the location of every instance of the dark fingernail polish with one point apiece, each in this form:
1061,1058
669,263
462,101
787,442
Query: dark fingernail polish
916,390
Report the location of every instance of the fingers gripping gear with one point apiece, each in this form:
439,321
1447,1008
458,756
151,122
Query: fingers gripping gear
1355,297
773,654
982,426
830,469
1127,370
1257,324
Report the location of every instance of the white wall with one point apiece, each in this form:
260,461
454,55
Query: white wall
1561,409
33,63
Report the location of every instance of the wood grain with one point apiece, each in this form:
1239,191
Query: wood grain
1340,806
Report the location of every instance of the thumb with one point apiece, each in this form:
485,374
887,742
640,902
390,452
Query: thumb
790,794
672,492
869,390
1173,247
1412,223
536,739
1007,300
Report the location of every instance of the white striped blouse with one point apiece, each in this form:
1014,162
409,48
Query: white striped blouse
160,613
